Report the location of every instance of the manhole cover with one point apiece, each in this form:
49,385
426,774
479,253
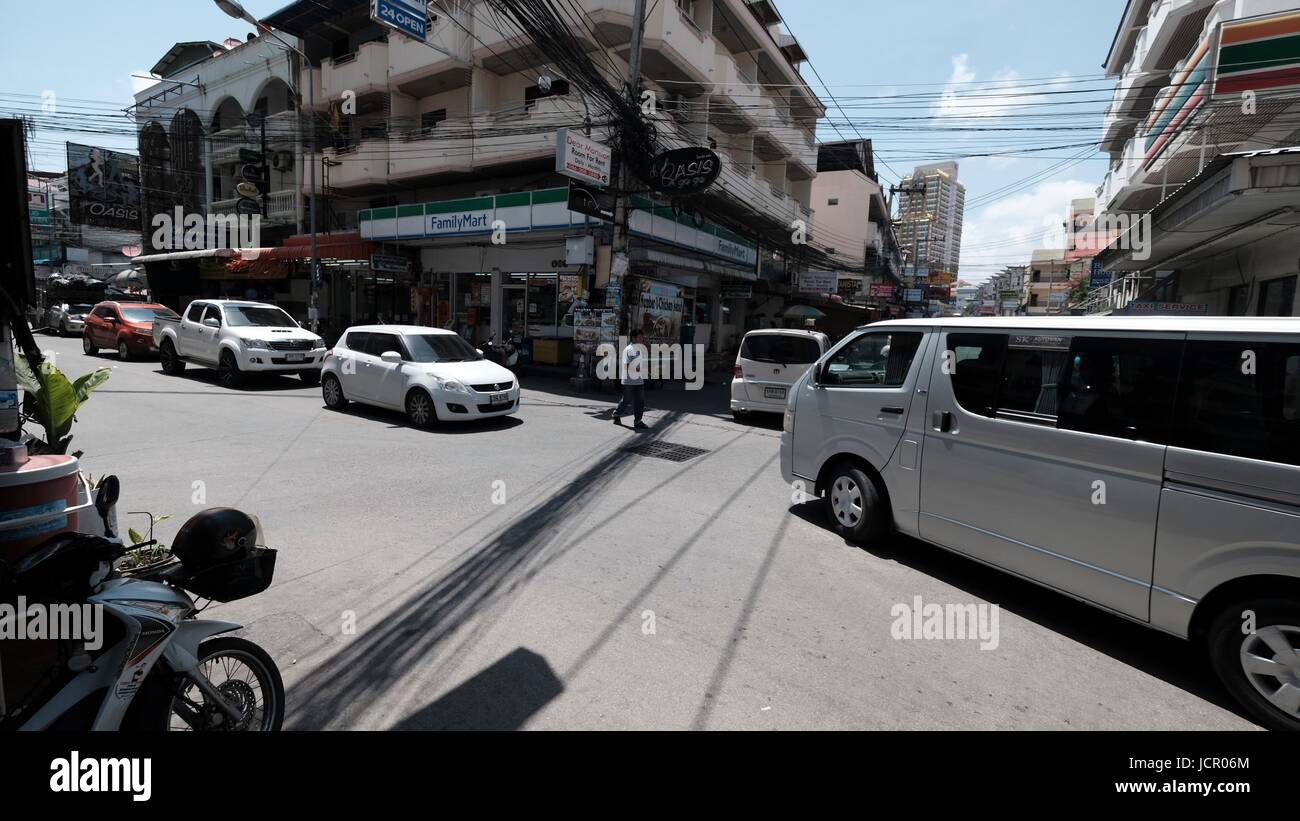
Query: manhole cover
667,450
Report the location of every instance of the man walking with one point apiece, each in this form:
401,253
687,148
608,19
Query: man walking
633,370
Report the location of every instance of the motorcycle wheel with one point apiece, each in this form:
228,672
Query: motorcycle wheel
242,672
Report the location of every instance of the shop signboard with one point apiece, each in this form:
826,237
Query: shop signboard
657,307
914,295
882,291
818,282
736,291
582,158
103,188
684,170
589,200
593,327
1166,309
459,217
614,293
410,17
1098,278
389,264
38,208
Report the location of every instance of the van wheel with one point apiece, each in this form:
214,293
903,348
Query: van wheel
228,371
420,409
854,504
332,392
1262,668
172,364
87,347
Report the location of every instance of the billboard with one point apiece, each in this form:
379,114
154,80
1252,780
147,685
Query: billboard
103,188
657,308
410,17
818,282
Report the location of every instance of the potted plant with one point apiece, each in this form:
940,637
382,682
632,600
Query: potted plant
145,554
51,400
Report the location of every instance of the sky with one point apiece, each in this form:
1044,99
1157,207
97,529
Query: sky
864,51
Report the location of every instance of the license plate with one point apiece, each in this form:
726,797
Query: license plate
293,357
500,399
774,393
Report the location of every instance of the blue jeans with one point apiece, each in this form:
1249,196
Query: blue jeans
634,398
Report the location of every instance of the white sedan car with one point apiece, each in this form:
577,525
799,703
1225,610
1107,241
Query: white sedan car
433,375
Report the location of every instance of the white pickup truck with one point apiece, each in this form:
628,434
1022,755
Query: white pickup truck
238,338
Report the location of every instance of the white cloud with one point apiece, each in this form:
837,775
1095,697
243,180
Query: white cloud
1008,230
140,80
965,98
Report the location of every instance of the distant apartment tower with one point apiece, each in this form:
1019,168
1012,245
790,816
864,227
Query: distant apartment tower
931,208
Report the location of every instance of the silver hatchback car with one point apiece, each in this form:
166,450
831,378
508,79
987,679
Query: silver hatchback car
1147,466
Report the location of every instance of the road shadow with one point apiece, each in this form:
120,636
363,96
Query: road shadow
762,421
711,400
1158,654
370,667
252,382
397,419
501,698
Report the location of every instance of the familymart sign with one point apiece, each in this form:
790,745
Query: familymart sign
546,210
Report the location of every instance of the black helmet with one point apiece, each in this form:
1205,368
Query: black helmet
214,536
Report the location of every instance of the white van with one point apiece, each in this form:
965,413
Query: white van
1148,466
769,363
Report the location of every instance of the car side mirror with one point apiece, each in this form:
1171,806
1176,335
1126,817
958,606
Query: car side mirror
391,357
212,322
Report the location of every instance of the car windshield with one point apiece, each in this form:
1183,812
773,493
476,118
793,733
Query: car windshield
147,314
782,349
261,317
78,309
440,348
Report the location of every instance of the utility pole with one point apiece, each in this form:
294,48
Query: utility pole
234,9
619,264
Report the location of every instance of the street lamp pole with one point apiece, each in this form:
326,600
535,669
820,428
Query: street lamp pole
237,11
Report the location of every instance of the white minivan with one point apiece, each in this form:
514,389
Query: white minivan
770,361
1147,466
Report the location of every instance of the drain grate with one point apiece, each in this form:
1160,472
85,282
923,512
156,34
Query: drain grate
667,450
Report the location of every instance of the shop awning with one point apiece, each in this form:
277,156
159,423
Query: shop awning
349,246
174,256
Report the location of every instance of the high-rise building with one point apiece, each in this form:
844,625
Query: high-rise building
931,207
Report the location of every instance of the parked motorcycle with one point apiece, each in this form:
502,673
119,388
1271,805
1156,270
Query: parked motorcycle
154,666
508,354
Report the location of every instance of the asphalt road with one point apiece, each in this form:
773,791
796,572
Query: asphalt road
534,573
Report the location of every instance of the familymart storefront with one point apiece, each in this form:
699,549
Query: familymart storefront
521,264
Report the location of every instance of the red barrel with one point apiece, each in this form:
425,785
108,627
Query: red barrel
37,500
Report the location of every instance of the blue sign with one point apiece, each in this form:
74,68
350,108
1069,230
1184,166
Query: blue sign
1099,278
410,17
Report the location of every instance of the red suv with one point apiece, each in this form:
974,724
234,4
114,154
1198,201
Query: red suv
126,327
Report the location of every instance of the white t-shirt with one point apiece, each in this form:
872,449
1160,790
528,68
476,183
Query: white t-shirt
634,364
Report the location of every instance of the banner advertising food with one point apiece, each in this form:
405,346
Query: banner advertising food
593,328
656,308
103,188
